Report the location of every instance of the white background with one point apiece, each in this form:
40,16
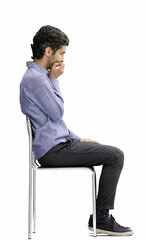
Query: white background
104,92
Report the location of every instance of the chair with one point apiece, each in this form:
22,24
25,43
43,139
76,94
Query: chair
35,166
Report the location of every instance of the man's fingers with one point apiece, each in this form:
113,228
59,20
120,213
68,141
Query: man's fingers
56,70
56,64
88,140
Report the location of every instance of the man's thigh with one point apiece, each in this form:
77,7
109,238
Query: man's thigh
77,153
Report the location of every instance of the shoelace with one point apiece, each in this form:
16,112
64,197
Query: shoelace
112,221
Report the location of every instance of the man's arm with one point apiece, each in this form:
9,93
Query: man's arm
48,99
55,73
46,94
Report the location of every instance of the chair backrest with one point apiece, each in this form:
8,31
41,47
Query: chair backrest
32,159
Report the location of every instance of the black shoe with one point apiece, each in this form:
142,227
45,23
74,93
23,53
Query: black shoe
108,225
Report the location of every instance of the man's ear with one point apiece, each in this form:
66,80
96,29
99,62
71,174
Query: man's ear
48,51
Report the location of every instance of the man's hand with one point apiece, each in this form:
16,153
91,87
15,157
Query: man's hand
56,70
88,140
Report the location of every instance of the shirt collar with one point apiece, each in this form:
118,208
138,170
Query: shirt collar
37,66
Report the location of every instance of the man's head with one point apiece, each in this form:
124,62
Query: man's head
49,42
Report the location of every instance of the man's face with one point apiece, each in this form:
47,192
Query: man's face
57,57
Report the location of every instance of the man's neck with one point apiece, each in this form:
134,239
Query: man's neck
41,62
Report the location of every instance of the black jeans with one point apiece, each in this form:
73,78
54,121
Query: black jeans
76,153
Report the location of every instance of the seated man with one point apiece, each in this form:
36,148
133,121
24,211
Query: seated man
53,143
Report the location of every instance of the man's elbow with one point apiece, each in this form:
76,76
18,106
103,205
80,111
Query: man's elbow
57,116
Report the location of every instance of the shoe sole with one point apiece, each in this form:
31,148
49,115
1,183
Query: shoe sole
129,233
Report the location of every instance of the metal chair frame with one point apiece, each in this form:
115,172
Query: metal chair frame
35,166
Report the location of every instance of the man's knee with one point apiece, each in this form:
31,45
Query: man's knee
120,158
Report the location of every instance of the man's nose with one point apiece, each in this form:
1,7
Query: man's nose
62,59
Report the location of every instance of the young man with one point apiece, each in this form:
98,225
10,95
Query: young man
53,143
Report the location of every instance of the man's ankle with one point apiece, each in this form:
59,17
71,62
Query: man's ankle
102,214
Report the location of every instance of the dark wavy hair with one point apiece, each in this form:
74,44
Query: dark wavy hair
48,36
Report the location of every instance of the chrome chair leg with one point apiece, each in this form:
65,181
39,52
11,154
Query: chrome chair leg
34,200
30,204
94,201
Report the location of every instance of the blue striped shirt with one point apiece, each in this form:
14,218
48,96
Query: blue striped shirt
41,100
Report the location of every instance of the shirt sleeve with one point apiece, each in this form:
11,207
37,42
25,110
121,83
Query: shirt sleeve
73,135
48,97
